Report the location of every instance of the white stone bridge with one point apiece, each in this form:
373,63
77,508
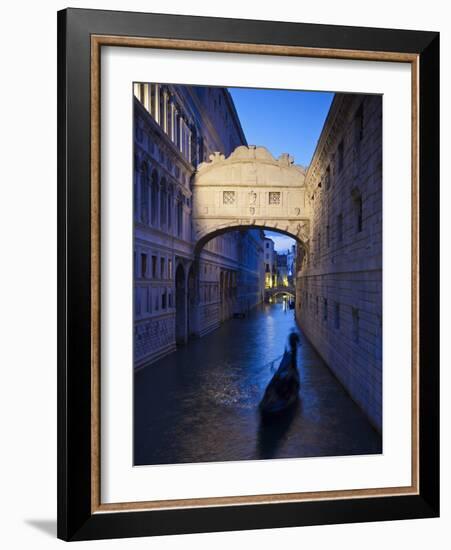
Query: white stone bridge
250,189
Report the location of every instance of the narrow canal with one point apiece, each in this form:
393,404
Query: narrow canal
200,404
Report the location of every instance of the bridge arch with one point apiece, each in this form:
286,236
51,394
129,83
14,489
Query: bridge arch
231,226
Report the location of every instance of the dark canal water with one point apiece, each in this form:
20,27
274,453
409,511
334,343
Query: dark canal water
200,404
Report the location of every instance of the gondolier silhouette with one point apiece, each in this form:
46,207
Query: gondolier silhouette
283,389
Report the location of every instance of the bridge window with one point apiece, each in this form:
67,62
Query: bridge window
228,197
274,197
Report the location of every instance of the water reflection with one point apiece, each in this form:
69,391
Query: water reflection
272,431
200,404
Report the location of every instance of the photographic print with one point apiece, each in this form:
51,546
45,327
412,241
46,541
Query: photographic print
257,274
243,340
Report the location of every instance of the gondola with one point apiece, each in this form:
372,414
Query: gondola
282,391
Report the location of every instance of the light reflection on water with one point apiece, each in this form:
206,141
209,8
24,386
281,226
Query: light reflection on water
200,404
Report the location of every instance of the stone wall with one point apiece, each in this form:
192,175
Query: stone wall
339,285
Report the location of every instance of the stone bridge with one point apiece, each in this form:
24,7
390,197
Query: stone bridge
250,189
276,290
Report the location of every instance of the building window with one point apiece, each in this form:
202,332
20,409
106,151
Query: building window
157,301
267,245
228,197
170,208
149,300
337,315
144,208
154,197
179,217
154,267
274,197
162,266
327,179
325,310
340,156
359,125
163,203
355,325
163,300
143,266
137,301
316,306
327,235
340,228
358,210
170,299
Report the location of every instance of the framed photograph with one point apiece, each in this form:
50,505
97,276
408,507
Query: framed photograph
248,274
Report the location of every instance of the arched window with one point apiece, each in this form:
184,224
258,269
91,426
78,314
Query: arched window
144,188
163,203
180,215
154,197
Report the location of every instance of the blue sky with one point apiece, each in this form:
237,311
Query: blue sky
284,121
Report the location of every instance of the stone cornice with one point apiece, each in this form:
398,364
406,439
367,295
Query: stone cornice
333,128
251,155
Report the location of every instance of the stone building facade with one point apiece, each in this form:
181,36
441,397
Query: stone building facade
339,281
179,291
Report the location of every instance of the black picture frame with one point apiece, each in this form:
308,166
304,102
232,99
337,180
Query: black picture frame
76,520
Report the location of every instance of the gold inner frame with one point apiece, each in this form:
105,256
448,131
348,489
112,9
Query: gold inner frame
97,41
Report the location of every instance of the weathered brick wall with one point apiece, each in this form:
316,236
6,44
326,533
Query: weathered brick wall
339,287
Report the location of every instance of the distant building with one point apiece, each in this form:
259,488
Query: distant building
291,264
270,260
180,292
282,269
